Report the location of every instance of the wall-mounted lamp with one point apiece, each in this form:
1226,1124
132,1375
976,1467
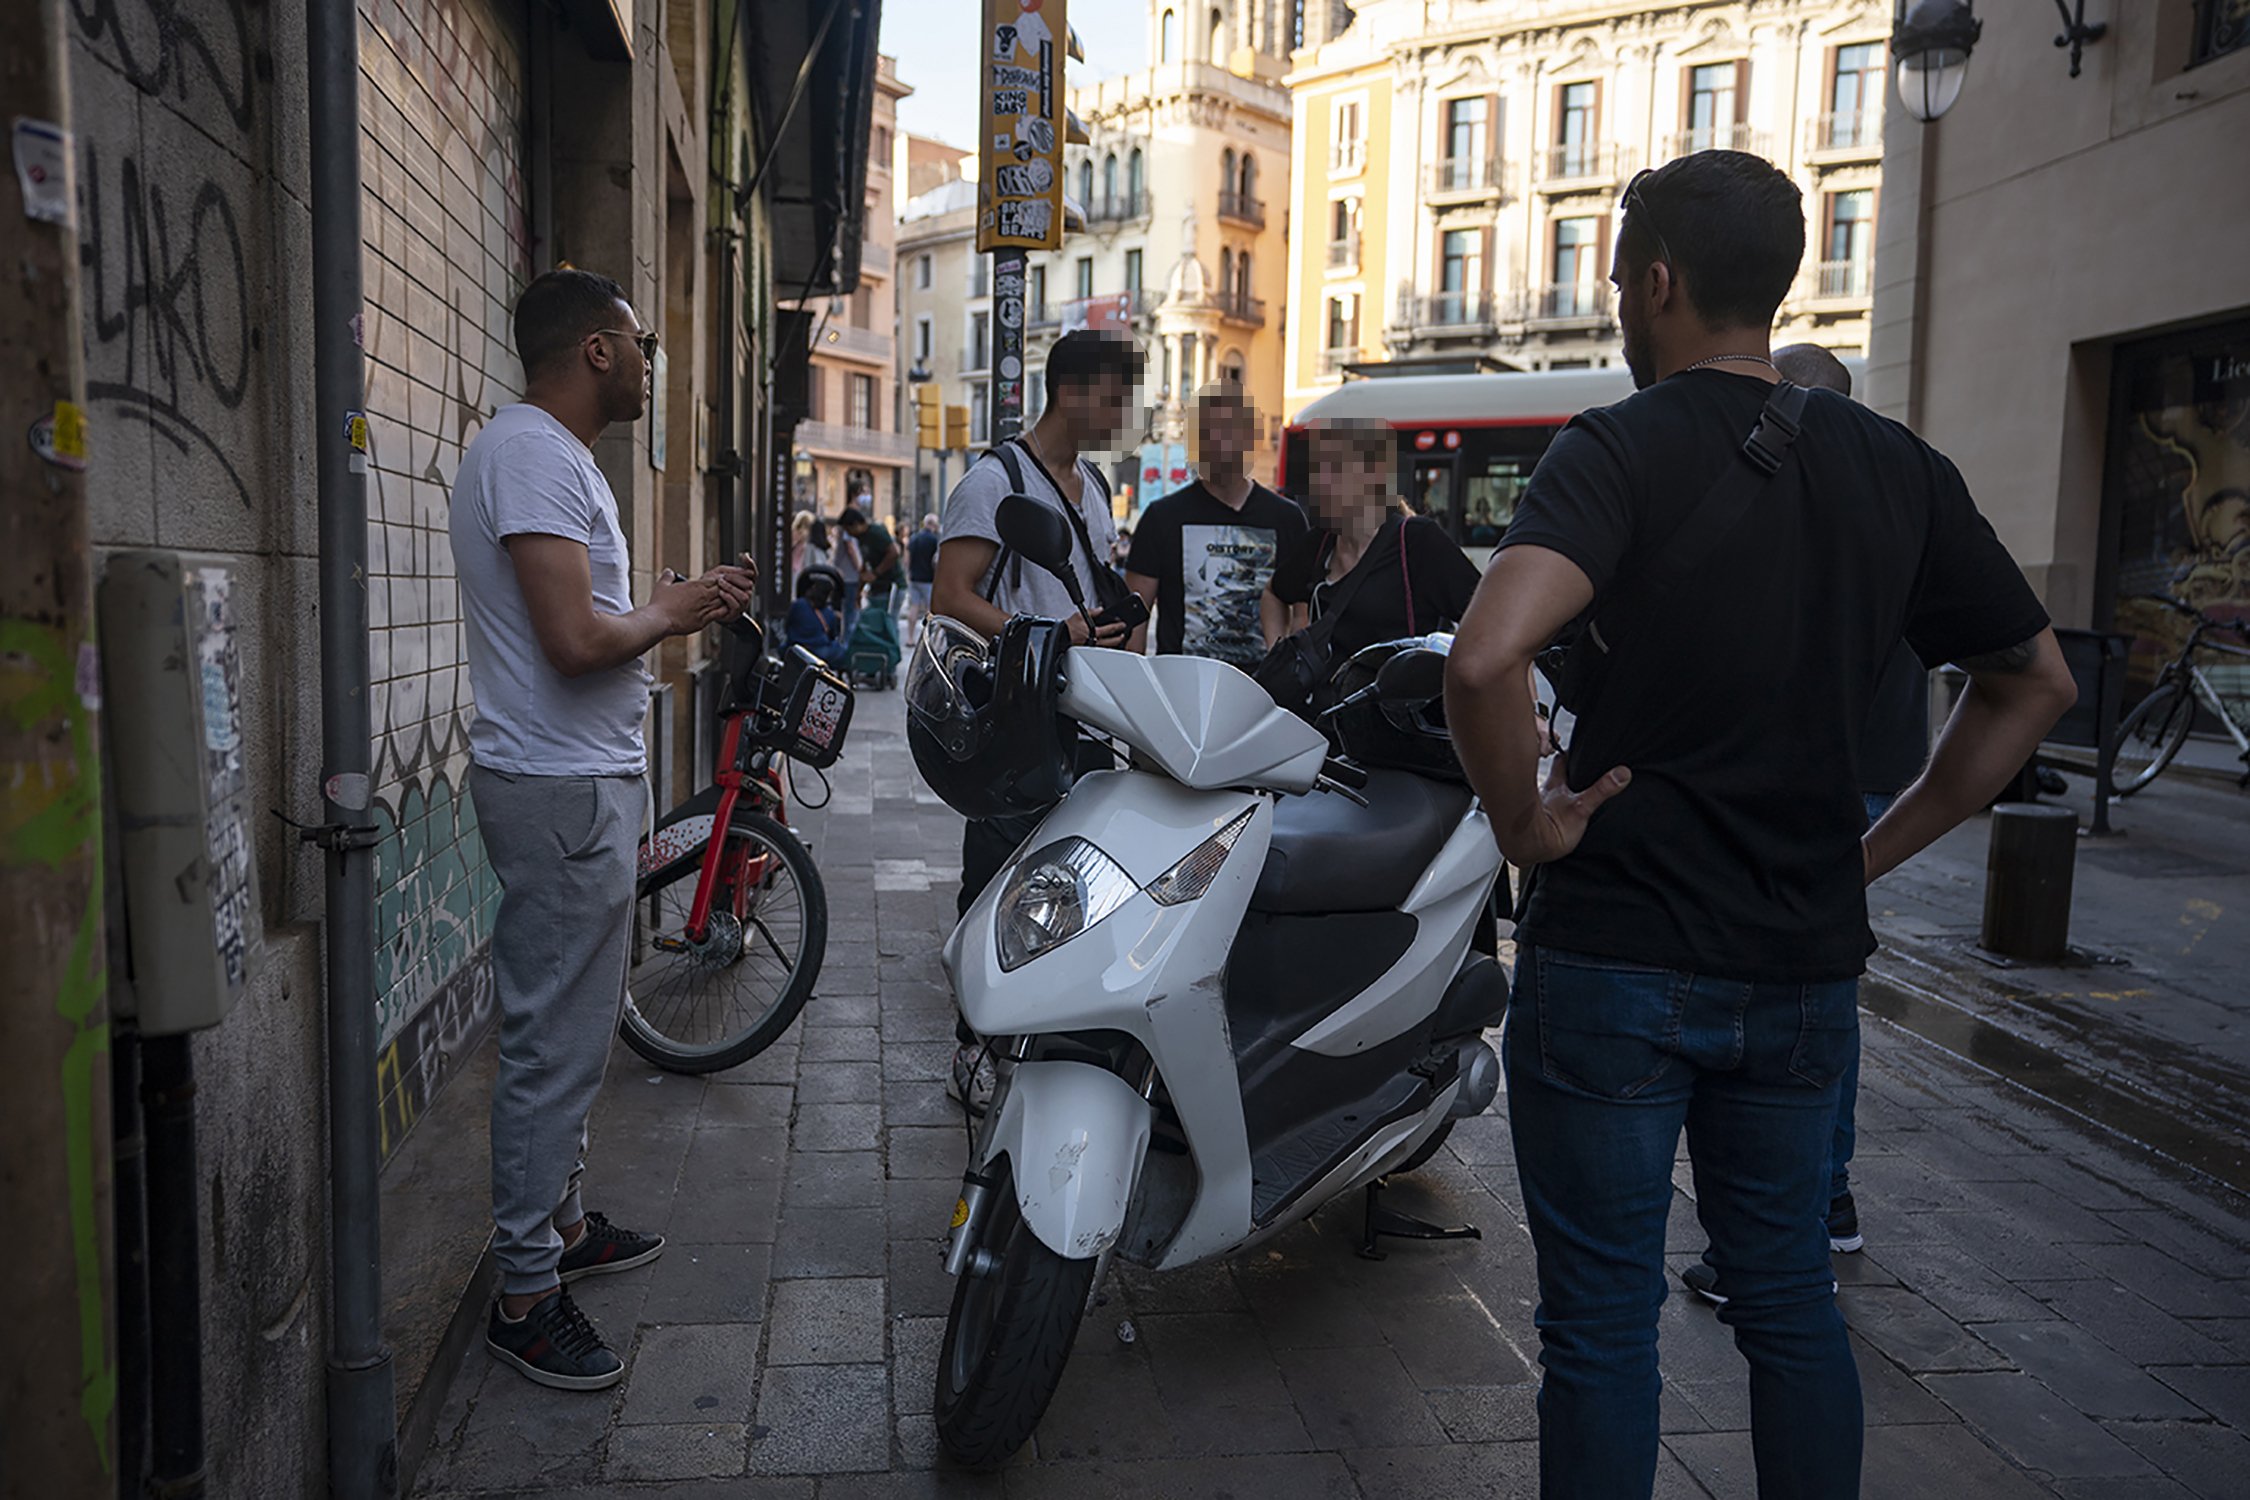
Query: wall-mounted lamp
1933,39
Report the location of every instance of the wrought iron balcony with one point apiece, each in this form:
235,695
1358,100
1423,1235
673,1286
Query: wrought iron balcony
1728,136
1240,307
1347,156
1574,302
874,259
1448,314
1242,209
862,443
1581,162
1332,361
1851,132
1343,254
1844,280
1118,208
1464,179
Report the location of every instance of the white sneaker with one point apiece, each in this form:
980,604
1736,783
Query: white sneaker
972,1078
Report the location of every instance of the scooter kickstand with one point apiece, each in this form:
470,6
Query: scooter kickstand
1386,1221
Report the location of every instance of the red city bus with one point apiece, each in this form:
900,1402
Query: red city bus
1466,443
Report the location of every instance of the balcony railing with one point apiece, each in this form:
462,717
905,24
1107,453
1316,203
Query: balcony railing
874,259
1844,280
1573,302
1464,177
1347,156
855,442
1729,136
1583,161
1344,253
857,343
1118,208
1448,313
1853,131
1242,209
974,361
1043,315
1239,307
1332,361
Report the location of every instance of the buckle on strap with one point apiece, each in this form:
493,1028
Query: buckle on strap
1764,456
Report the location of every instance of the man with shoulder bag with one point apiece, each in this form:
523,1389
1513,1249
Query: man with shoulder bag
1091,379
1743,555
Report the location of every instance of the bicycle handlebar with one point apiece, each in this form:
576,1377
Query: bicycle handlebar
2181,606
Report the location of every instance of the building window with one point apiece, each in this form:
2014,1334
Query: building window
1226,272
1713,104
1852,92
1343,322
1464,133
2221,26
1574,289
1230,368
980,275
1109,181
1132,270
1347,138
1167,37
882,152
980,419
1218,36
1574,130
1035,294
815,381
1086,184
1085,276
1460,275
980,337
1848,247
1135,177
862,411
922,270
923,335
1343,233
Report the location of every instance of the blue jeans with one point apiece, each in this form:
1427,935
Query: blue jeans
1607,1062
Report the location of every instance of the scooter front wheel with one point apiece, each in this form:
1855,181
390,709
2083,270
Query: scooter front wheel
1016,1311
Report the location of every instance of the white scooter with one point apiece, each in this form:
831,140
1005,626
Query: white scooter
1216,1003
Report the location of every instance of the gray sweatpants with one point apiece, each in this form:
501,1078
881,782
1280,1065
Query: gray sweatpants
564,848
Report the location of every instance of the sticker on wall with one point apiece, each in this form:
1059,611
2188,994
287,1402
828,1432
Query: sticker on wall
355,434
347,790
60,439
43,171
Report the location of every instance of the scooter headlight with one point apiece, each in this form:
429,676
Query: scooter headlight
1055,893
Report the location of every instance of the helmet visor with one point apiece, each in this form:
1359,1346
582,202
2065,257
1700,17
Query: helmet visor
950,676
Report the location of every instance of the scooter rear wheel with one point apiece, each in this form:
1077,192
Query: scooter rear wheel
1008,1337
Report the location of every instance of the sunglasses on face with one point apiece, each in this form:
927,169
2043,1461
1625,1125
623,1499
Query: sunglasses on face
1635,202
645,341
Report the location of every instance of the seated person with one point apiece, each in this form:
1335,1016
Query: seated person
814,621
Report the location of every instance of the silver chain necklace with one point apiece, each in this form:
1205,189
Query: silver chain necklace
1720,359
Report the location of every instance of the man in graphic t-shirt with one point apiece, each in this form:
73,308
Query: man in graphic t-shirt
1689,956
1202,556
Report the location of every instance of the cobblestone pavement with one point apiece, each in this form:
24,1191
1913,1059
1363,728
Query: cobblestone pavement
2041,1309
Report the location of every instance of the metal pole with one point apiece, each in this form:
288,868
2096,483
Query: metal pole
1007,344
362,1435
58,1384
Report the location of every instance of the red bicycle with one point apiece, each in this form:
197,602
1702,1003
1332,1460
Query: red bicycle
731,922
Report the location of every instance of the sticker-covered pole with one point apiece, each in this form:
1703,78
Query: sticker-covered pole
1007,344
1021,51
362,1442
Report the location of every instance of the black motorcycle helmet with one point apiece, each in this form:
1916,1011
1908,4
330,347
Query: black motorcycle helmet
1397,734
982,723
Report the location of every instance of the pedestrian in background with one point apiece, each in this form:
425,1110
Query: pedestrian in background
554,647
1203,555
1691,944
921,573
1892,750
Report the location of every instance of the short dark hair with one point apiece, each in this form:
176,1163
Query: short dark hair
1813,367
558,310
1085,356
1734,225
852,516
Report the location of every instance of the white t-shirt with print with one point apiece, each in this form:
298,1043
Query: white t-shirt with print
971,509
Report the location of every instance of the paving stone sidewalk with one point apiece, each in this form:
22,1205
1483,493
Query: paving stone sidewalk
2041,1309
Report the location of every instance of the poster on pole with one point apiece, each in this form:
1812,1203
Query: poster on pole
1020,165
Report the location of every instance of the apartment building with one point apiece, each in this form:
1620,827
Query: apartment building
1457,166
945,317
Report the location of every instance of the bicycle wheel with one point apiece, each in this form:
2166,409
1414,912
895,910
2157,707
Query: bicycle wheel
698,1007
2151,735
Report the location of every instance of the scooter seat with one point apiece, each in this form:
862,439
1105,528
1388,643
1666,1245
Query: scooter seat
1331,855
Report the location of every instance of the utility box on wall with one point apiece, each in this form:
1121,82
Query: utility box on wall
172,712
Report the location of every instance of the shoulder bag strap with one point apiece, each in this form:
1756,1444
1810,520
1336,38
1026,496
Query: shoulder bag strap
1332,613
1405,574
1014,468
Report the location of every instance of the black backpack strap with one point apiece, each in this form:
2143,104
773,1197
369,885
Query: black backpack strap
1004,452
1347,588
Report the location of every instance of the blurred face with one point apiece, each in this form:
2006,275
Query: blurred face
1099,410
1222,433
1351,483
622,358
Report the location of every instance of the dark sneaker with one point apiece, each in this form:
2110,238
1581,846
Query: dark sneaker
1843,1225
604,1248
1704,1282
555,1345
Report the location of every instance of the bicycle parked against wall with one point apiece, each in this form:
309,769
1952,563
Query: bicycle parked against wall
731,924
2158,725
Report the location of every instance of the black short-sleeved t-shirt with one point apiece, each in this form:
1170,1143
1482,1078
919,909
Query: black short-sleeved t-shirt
1896,741
1444,581
1211,563
1739,700
921,557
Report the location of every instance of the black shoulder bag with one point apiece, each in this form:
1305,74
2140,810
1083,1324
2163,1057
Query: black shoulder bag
1577,667
1296,665
1112,595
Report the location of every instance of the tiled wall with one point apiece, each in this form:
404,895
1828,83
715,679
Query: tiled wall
442,115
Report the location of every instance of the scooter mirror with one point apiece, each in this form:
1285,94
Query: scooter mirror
1411,677
1037,531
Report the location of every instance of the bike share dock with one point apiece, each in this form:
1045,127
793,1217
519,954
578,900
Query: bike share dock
2050,1302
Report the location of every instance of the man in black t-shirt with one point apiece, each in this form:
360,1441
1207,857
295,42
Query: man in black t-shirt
1690,951
1202,555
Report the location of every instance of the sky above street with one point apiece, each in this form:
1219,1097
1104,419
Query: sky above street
935,42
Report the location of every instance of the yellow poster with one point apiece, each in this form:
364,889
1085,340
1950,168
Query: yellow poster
1020,177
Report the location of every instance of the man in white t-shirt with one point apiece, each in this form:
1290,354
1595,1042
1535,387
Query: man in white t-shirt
1092,379
555,645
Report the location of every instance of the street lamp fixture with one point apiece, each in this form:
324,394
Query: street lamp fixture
1933,39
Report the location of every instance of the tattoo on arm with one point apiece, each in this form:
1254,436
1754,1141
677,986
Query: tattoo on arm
2016,658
